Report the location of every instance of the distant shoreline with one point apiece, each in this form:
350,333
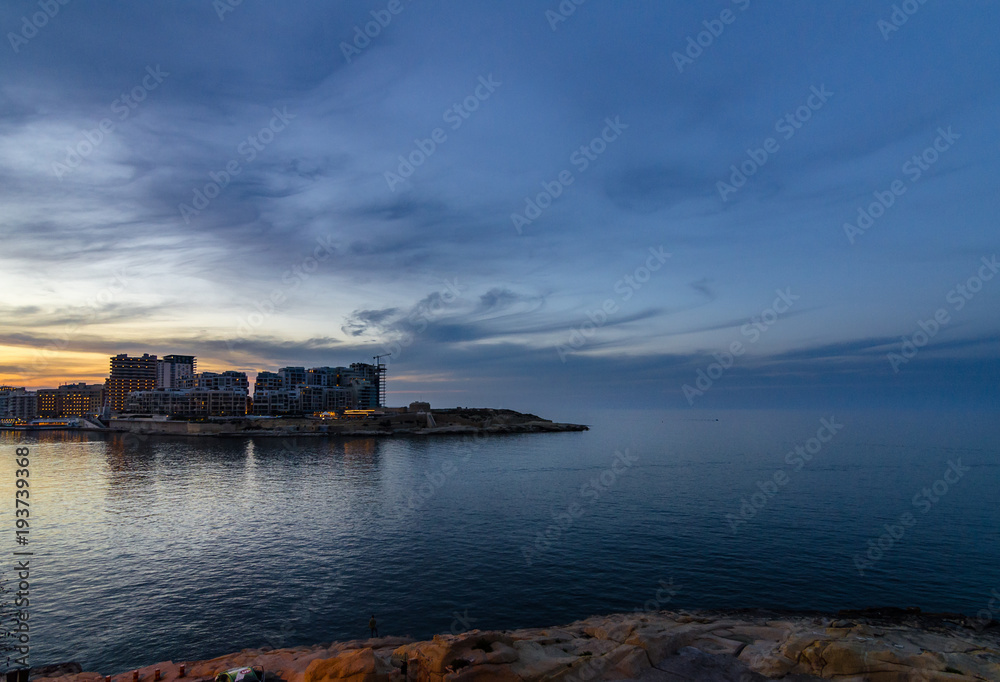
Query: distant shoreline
447,422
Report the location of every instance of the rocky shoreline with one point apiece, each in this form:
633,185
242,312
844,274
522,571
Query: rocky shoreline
876,645
456,421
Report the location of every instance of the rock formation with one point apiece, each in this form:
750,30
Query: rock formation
664,646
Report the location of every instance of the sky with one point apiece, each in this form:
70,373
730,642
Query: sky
534,205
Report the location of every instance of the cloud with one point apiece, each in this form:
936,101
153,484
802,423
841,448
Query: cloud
362,322
321,181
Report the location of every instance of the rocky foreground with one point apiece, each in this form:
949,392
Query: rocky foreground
664,646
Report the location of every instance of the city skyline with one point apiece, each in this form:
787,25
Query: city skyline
170,386
616,323
251,375
653,206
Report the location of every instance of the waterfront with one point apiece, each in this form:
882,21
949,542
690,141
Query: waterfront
180,548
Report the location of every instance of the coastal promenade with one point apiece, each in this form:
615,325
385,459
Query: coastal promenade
746,646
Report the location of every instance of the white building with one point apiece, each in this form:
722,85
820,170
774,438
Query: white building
175,371
188,402
22,404
228,381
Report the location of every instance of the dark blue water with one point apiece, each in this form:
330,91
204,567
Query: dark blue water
187,549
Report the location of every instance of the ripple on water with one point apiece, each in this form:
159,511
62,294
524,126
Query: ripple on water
189,549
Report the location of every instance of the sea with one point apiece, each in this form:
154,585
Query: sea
180,548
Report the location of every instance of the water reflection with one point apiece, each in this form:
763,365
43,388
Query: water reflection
363,448
194,547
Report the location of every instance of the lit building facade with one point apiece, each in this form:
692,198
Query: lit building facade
71,400
171,386
129,374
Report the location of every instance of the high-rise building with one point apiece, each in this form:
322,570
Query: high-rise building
189,402
129,374
295,390
203,394
264,387
71,400
22,405
365,380
267,381
175,371
292,376
229,380
323,376
302,400
5,393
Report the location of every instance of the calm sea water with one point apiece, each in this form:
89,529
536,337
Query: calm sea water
186,549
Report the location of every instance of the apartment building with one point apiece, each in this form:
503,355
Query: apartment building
129,374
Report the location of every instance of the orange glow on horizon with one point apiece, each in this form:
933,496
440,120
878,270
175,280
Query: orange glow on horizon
35,368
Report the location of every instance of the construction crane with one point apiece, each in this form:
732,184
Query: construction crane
380,371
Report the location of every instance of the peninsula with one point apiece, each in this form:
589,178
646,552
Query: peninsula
168,396
417,420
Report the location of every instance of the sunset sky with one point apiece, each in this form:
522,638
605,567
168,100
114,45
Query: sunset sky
265,184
